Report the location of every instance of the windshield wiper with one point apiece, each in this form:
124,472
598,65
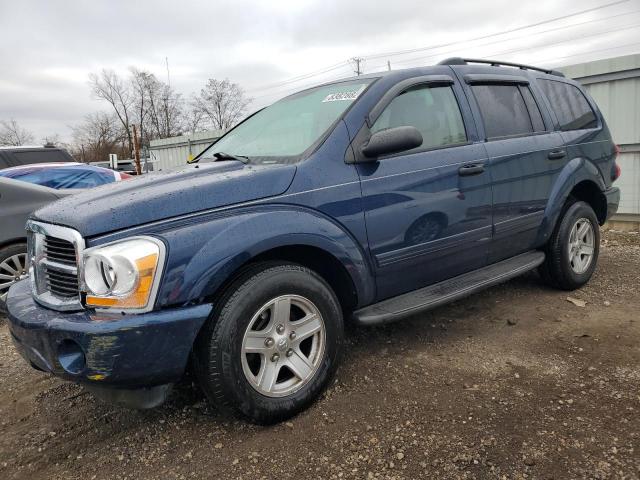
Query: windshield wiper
228,156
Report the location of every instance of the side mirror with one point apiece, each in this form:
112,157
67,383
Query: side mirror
392,140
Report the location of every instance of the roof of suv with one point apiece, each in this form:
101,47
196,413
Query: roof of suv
28,147
457,61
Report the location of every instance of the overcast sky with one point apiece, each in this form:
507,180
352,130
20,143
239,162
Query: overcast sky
48,48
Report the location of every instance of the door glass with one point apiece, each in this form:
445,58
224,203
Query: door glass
433,111
503,110
534,111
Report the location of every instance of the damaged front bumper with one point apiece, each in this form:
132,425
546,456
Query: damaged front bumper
122,358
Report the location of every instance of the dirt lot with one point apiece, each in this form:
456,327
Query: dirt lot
513,382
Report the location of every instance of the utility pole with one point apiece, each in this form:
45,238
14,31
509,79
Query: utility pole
388,65
166,59
357,65
136,150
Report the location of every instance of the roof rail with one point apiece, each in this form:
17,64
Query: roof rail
497,63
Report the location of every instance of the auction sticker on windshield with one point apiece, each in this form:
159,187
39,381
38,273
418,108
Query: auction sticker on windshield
349,96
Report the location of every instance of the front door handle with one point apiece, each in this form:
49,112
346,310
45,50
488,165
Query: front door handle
472,169
557,154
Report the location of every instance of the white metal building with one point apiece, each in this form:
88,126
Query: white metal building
172,152
615,85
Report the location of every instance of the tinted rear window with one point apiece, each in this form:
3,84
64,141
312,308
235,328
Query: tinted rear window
534,111
571,106
505,112
42,156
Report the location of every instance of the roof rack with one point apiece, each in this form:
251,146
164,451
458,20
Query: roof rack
497,63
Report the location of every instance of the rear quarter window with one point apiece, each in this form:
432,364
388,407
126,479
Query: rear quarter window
570,105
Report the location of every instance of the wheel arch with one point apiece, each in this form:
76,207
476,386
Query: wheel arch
587,191
579,179
218,250
12,241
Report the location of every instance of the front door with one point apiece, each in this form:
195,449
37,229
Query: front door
428,210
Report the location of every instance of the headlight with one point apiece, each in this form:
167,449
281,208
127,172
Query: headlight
123,274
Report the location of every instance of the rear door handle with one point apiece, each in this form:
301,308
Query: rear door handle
472,169
556,155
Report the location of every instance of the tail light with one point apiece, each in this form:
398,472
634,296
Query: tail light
615,173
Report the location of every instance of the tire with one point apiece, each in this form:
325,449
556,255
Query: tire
10,270
235,353
566,265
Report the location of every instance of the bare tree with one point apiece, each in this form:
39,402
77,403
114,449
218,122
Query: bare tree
165,109
222,103
13,135
141,100
97,136
194,118
110,87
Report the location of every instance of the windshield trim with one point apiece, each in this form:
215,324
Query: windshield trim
315,145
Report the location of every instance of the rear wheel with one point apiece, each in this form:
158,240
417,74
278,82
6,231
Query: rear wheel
273,343
572,251
13,267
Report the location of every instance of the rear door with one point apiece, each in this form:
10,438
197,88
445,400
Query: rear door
427,210
525,157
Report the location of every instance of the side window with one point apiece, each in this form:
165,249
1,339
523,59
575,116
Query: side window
571,107
434,111
534,111
40,156
507,110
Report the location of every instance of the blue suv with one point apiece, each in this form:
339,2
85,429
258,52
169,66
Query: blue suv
365,200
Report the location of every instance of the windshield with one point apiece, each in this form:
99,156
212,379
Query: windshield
283,131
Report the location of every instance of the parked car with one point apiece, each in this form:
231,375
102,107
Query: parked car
15,156
17,201
248,263
64,175
128,166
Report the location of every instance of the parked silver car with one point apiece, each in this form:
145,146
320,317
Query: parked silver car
17,200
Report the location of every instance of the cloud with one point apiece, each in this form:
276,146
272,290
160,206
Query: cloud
49,48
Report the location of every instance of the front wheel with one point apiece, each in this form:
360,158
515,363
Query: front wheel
572,251
13,267
273,343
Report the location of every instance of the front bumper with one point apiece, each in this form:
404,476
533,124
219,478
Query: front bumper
612,195
110,350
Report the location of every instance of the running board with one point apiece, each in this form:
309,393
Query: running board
447,291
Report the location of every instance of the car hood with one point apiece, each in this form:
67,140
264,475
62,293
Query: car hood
167,194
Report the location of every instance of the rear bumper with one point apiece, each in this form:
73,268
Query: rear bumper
612,195
110,350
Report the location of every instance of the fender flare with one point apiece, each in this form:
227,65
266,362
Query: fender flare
203,255
574,172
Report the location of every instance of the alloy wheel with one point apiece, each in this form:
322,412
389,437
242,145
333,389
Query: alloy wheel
283,346
12,269
581,245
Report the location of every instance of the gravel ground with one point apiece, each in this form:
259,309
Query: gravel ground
513,382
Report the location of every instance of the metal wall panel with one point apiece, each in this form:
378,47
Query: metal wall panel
619,101
629,183
173,152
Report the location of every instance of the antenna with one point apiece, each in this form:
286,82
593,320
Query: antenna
166,59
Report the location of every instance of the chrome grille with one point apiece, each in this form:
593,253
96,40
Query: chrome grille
53,265
62,284
58,250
